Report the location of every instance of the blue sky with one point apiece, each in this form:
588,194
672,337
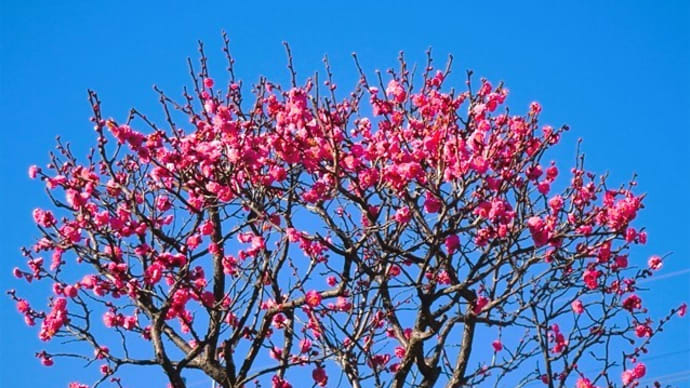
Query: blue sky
617,73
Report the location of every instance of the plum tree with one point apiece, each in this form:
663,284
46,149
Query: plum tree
375,236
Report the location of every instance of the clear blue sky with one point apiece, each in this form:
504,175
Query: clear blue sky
618,74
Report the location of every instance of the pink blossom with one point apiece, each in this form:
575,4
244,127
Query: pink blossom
443,277
279,382
479,304
55,181
313,298
577,306
193,241
206,228
591,276
632,302
620,262
631,375
304,345
396,91
643,330
343,304
551,173
45,359
630,234
101,353
431,203
44,218
105,369
279,321
276,353
556,203
34,170
534,108
23,306
560,341
110,319
394,270
70,291
163,203
402,215
75,198
213,248
55,320
130,322
153,273
101,218
543,187
538,229
655,263
627,377
452,243
258,243
583,382
319,376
